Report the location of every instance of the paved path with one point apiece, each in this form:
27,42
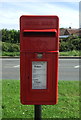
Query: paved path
68,69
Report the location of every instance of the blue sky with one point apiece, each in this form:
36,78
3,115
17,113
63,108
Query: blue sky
10,12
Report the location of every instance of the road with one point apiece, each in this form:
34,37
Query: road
68,69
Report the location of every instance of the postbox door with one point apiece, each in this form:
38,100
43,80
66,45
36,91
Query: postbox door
33,91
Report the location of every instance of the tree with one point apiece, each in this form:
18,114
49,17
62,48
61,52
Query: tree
11,36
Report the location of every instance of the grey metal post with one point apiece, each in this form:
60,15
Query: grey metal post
37,112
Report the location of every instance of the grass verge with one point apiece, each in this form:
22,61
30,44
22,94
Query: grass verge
67,107
10,53
68,53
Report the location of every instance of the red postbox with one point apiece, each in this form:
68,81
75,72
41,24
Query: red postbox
39,45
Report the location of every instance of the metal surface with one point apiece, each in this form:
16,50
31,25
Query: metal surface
38,112
39,35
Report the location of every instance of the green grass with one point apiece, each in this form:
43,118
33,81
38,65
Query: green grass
10,53
68,53
0,53
67,107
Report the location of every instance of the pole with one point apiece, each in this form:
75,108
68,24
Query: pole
37,112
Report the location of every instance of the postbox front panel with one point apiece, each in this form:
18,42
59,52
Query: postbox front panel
39,59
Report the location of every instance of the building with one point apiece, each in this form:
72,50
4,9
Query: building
64,33
76,32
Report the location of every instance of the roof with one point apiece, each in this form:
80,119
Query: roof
70,32
73,31
62,31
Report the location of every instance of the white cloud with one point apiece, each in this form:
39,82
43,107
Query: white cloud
68,17
10,15
39,0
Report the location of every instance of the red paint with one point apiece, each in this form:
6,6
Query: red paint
39,34
45,30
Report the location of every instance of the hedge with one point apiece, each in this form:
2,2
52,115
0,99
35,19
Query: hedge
9,47
70,43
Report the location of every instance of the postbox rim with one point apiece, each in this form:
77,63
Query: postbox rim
39,16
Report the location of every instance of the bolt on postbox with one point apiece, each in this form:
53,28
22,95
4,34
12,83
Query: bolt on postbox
39,46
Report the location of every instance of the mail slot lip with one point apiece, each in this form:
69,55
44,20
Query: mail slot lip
44,30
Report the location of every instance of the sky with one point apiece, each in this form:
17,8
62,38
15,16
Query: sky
10,12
